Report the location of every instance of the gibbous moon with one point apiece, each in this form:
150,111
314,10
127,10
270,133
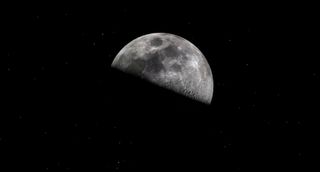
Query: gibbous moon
168,61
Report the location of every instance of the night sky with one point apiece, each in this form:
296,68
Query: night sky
68,110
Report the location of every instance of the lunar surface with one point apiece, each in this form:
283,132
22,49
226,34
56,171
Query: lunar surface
168,61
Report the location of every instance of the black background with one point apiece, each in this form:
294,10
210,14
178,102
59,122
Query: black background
70,111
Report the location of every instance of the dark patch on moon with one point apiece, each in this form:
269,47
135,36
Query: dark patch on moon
137,65
156,42
176,67
154,64
171,51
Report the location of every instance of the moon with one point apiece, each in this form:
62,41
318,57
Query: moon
168,61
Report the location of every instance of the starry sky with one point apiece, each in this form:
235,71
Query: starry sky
68,110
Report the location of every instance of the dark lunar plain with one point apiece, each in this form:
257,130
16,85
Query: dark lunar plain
66,109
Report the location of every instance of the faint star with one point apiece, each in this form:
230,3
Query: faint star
315,75
267,122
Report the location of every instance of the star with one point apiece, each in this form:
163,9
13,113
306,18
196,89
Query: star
315,75
255,92
267,122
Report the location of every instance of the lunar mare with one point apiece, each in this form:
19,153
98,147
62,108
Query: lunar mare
169,61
